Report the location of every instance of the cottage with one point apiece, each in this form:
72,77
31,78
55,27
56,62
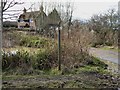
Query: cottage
38,20
26,20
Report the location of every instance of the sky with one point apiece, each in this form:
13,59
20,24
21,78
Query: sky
83,9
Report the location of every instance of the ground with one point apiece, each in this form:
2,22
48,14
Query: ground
80,80
106,54
109,56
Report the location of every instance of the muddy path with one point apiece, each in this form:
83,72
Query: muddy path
109,55
81,80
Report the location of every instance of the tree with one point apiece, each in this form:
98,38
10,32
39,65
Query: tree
1,41
69,13
7,4
105,26
112,18
4,6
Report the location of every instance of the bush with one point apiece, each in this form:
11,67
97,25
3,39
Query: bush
75,48
35,41
41,60
15,59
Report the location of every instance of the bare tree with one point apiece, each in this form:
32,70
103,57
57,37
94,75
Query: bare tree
10,3
4,6
0,44
7,4
105,27
68,16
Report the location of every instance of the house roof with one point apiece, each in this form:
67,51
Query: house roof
29,14
53,17
41,18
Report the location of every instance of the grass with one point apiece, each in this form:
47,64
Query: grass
111,48
56,72
93,69
112,66
53,72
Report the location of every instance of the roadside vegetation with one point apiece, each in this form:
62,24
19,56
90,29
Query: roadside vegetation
33,56
33,52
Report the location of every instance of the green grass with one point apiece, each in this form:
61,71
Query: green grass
110,48
111,65
92,69
55,72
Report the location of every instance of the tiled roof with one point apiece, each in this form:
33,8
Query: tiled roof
30,14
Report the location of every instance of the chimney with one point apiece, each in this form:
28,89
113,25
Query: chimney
24,11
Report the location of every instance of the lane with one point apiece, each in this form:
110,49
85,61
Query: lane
105,54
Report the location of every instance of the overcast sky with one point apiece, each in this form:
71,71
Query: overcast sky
83,9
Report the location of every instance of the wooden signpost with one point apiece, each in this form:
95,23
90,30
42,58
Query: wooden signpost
59,47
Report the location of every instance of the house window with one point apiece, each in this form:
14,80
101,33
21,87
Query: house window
18,20
21,20
26,20
26,25
30,20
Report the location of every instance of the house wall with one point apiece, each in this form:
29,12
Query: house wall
32,25
22,25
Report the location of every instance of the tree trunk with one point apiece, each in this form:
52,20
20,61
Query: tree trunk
1,27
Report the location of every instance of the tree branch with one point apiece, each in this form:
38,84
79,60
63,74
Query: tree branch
10,4
11,14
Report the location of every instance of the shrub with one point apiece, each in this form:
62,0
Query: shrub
97,62
17,59
35,41
75,48
43,59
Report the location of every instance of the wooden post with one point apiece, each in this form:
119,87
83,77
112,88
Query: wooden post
59,48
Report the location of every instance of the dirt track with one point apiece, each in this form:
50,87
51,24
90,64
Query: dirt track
105,54
82,80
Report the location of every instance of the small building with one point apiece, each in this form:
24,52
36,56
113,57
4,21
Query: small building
38,20
26,20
